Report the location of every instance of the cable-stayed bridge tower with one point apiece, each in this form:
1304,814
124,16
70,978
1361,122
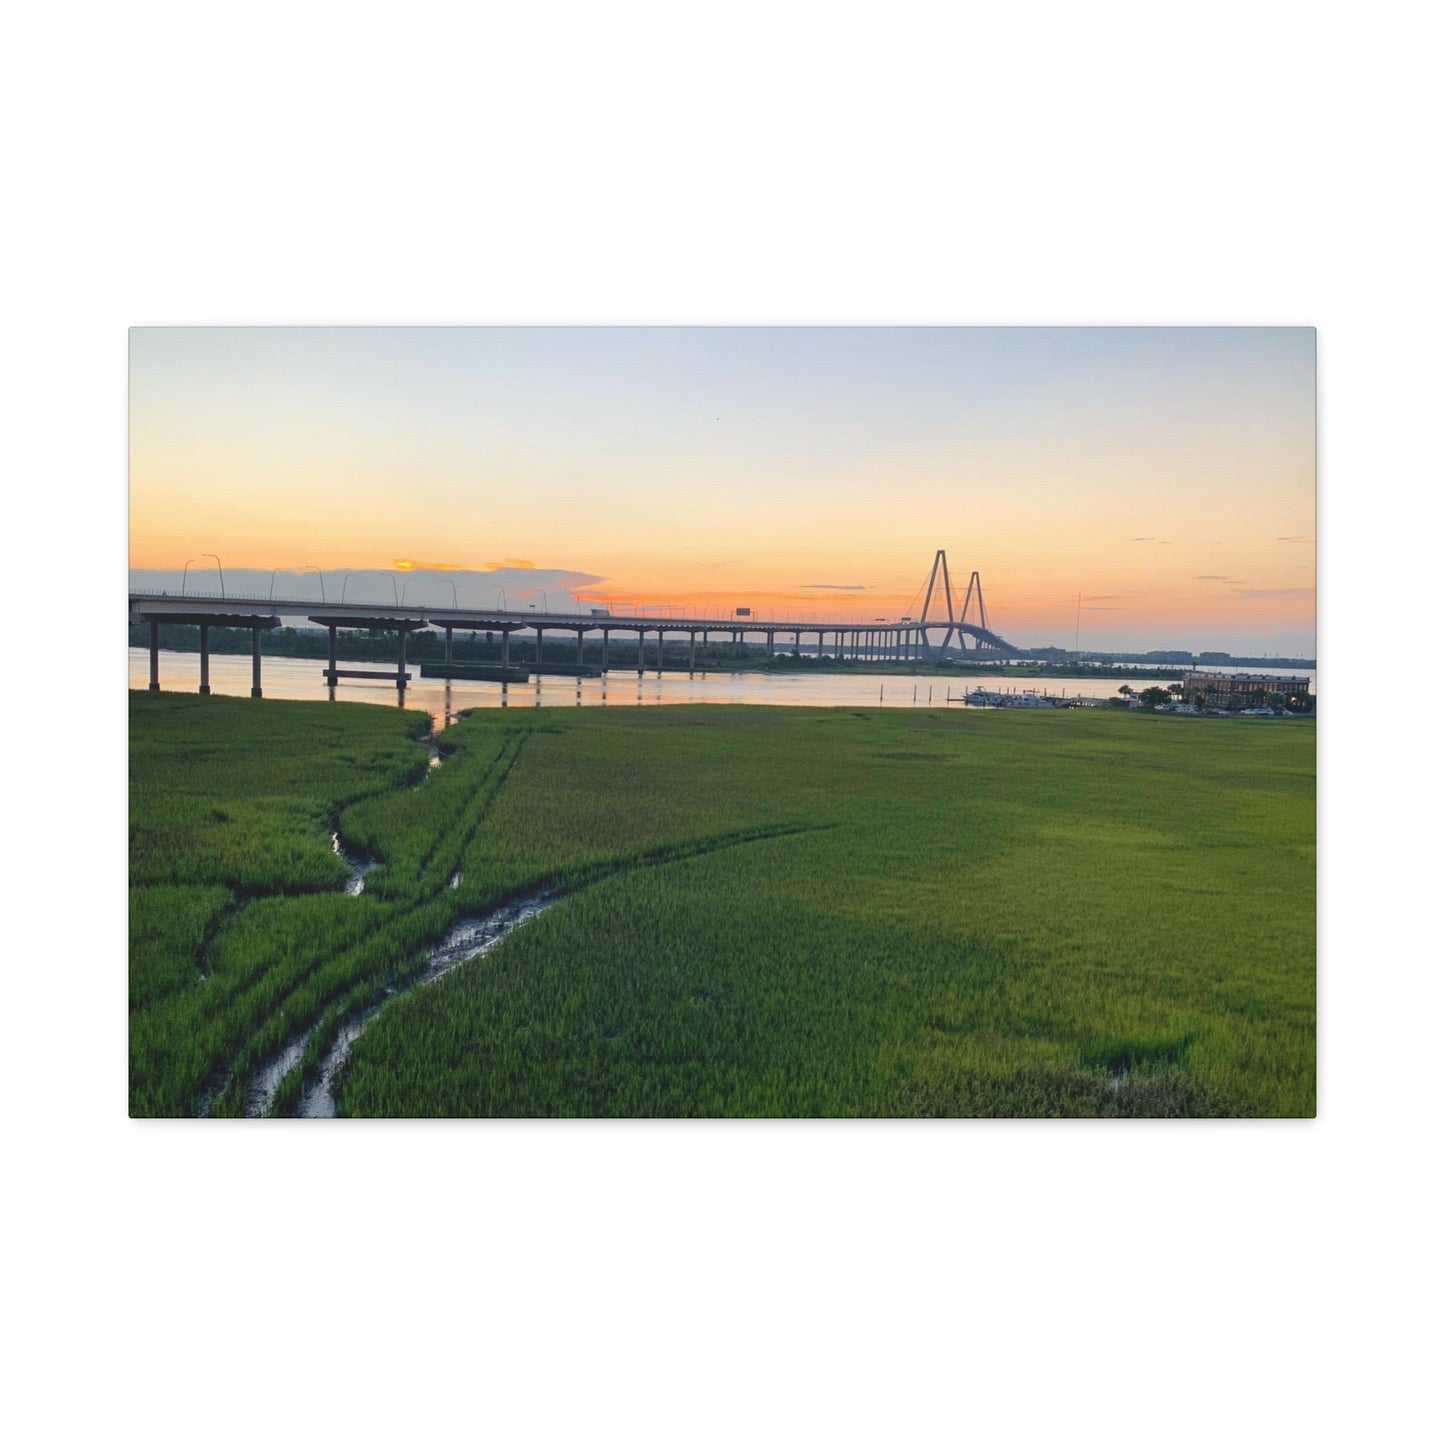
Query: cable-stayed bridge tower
959,624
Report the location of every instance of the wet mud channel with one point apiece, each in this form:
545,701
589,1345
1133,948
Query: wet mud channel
466,939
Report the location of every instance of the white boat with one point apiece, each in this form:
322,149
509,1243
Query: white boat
980,697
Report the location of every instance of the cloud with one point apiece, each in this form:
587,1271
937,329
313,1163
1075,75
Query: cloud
1292,539
405,564
836,586
1157,541
1104,597
1281,594
1103,609
509,562
1210,577
428,583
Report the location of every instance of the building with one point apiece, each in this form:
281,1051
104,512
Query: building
1250,689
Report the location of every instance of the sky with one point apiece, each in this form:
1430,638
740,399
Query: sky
1135,487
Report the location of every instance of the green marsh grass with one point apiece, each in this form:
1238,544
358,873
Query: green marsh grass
764,911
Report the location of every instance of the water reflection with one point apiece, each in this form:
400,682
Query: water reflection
300,678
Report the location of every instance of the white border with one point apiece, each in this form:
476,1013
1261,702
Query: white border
1040,163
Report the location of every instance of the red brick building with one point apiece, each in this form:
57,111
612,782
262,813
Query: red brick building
1251,688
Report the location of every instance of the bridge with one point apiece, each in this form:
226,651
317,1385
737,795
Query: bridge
908,639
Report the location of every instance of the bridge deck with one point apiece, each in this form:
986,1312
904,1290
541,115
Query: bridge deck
224,611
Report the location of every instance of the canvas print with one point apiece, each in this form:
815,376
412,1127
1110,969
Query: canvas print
683,722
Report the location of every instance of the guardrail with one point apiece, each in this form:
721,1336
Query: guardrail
528,618
668,613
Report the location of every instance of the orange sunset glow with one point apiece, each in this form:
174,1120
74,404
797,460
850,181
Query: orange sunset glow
1133,487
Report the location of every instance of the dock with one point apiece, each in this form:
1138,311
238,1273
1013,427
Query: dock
475,672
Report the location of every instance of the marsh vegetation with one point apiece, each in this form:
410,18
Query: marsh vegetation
756,911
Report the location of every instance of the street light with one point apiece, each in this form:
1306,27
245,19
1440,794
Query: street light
320,577
272,592
221,574
396,601
503,591
184,572
454,595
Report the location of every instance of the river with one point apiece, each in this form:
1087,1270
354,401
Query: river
299,678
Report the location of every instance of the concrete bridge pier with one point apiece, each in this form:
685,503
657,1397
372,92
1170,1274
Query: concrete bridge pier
579,647
539,649
401,659
641,651
155,656
606,634
506,648
331,655
449,647
659,652
692,651
205,658
255,662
